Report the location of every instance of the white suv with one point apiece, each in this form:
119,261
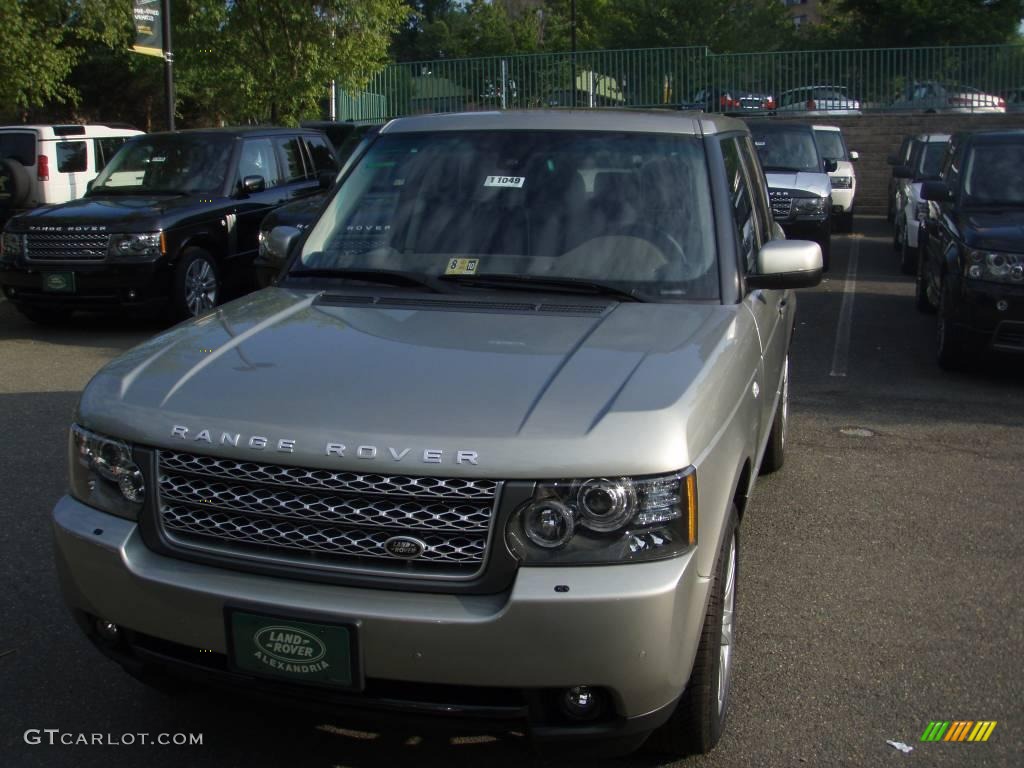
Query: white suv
50,164
832,145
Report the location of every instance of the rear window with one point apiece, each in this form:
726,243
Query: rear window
20,146
323,158
72,156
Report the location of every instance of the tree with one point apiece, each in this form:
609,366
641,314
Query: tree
885,24
42,40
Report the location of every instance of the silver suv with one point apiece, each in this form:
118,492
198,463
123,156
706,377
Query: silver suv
482,452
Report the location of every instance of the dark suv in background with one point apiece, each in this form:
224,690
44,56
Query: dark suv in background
971,268
172,221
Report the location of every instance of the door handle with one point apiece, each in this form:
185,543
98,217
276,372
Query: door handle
782,306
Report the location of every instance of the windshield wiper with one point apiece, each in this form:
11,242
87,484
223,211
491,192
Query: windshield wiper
544,284
381,276
782,168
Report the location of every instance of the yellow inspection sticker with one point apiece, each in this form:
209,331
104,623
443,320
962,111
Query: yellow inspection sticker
461,266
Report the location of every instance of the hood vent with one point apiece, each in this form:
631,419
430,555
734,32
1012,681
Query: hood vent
393,302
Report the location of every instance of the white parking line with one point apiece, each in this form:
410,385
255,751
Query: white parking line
842,350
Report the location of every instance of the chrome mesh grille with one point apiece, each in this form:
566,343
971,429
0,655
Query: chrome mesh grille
325,519
782,203
66,246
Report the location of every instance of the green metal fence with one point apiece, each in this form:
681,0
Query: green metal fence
876,79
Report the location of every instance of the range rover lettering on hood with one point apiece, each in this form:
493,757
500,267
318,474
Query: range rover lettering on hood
285,445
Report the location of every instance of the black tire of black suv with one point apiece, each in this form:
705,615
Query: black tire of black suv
921,300
951,350
44,316
826,251
191,260
775,452
847,222
15,184
698,722
908,258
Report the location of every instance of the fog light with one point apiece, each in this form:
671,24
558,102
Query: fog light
581,703
131,293
1002,305
108,630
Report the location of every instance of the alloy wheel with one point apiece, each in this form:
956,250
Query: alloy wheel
200,287
728,627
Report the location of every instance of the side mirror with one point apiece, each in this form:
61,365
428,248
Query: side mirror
787,264
831,166
854,155
902,172
936,191
253,184
280,243
326,179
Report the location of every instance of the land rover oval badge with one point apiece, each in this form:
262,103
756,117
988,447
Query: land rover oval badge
405,547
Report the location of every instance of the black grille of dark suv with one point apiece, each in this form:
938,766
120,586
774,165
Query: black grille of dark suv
782,203
66,246
325,519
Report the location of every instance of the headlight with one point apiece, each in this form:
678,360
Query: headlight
148,245
814,206
996,267
103,474
606,520
842,182
12,246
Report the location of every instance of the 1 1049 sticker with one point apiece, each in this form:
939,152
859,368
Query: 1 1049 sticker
514,182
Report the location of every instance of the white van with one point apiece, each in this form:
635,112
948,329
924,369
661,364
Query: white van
50,164
832,144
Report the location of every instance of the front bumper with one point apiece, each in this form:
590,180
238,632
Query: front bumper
990,327
817,230
98,285
631,630
842,199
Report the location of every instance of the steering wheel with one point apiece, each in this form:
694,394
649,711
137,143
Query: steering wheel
671,249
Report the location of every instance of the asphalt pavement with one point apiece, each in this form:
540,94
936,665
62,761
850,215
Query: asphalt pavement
880,569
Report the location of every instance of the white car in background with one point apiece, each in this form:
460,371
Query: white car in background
819,100
932,96
832,145
926,155
51,164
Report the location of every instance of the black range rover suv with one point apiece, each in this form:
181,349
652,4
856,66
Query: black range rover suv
172,221
971,267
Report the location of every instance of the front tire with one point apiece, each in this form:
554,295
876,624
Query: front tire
908,258
921,300
950,342
197,285
775,452
699,719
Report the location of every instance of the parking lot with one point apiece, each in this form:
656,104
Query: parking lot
880,569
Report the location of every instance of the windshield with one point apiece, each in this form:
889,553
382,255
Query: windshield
992,174
786,151
931,159
168,164
632,211
831,145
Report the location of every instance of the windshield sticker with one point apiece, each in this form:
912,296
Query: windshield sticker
461,266
514,182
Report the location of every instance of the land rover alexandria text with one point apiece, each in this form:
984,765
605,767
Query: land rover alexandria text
284,445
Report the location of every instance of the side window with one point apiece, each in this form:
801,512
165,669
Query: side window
291,159
258,160
759,189
741,203
72,156
951,167
105,149
323,159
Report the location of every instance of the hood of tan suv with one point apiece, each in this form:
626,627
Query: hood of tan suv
524,390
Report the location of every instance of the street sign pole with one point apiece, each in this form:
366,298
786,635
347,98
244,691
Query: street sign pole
165,21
